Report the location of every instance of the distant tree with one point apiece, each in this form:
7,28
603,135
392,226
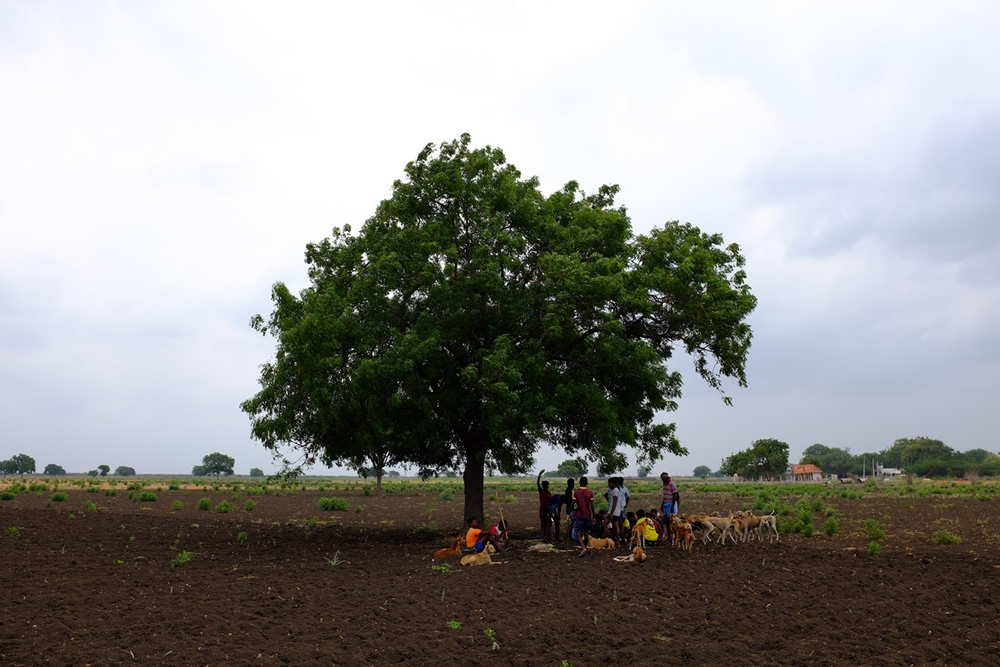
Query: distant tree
702,471
53,469
393,473
572,468
643,471
199,471
21,464
124,471
831,460
105,469
93,473
218,464
977,455
766,458
255,472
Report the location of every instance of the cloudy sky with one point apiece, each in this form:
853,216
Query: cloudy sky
163,164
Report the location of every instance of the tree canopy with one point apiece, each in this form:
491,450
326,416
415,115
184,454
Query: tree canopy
53,469
216,464
472,318
767,458
124,471
20,464
572,468
702,471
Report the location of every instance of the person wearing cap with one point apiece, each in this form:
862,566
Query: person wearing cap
671,498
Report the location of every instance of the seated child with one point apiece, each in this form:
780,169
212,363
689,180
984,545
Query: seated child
477,539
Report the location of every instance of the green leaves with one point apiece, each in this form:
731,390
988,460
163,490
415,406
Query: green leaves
472,318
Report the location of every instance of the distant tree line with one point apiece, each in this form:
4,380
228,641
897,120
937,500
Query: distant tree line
923,456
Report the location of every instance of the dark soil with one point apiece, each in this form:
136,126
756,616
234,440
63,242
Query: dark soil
359,588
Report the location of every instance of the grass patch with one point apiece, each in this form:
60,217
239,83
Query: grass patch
873,530
182,559
333,504
946,537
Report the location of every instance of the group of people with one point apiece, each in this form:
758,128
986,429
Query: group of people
616,523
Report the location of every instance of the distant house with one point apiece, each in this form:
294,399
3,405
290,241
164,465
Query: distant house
806,473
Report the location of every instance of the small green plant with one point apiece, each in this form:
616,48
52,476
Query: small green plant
14,531
874,549
447,494
177,506
224,507
454,625
204,504
91,506
873,530
8,495
131,538
510,499
333,504
242,536
491,635
147,497
58,496
250,506
72,516
357,509
182,559
946,537
831,527
111,493
335,561
443,567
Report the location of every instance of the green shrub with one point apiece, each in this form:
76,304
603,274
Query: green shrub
333,504
224,507
14,531
946,537
447,494
250,506
8,495
58,496
177,506
147,497
182,559
874,549
91,507
831,527
873,529
204,504
513,499
111,493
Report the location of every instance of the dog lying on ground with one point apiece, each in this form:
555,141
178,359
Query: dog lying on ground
454,550
638,555
481,558
544,548
600,543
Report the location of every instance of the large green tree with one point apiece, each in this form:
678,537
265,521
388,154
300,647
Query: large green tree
472,318
20,464
217,464
765,459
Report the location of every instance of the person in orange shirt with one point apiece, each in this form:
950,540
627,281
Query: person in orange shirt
477,539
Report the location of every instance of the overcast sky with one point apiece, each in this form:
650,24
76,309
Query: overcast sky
163,164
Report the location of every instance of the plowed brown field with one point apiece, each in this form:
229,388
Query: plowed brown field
359,588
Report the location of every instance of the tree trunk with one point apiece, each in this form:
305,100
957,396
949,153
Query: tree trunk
475,465
378,481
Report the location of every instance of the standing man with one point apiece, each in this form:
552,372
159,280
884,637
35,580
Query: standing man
671,497
584,498
616,510
544,511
